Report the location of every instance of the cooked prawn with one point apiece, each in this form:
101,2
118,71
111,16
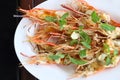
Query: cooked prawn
80,35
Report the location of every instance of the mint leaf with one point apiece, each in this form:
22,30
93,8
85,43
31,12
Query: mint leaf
76,61
73,42
63,21
81,27
50,19
86,45
108,61
107,27
61,55
56,56
115,52
95,17
85,37
82,53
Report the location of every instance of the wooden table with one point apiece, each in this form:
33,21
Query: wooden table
22,73
28,4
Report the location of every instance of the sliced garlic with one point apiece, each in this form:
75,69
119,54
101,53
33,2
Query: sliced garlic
117,43
115,60
89,12
75,35
115,33
106,17
102,57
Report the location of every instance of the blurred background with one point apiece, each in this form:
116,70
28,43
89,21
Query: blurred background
8,59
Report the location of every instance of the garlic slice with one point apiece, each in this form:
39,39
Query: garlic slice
75,35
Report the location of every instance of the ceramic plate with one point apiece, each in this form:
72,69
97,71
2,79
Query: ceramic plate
54,72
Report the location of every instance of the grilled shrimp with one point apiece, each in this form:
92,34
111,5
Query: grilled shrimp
82,8
39,14
80,35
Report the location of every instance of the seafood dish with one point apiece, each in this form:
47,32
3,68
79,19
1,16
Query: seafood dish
79,34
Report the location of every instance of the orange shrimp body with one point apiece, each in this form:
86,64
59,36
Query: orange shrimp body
39,14
92,8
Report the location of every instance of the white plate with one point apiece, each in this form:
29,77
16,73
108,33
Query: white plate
53,72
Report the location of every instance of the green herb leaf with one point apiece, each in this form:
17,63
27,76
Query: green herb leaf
108,61
81,27
95,17
115,52
64,16
107,27
86,45
76,61
73,42
106,48
56,56
82,53
85,37
50,19
60,55
62,22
